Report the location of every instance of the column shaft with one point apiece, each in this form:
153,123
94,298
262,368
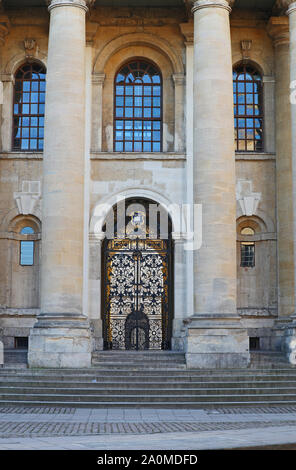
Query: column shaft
61,335
63,171
214,160
215,336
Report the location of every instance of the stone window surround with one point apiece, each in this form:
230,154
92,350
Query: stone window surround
11,234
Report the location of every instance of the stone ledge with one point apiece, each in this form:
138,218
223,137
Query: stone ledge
137,156
21,156
257,312
19,312
250,156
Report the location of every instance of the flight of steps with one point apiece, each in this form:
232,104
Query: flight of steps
147,379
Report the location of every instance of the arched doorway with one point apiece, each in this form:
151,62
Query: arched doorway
137,277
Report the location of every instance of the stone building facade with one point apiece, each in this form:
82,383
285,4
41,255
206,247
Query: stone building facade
175,103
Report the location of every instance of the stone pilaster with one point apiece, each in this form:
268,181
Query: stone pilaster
180,287
187,30
215,335
61,336
97,111
95,288
278,29
179,82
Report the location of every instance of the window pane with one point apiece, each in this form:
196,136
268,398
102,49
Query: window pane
27,253
138,103
247,94
119,101
138,147
247,255
27,230
118,146
29,80
26,132
247,231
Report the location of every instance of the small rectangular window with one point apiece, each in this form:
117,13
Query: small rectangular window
21,342
247,254
27,253
254,343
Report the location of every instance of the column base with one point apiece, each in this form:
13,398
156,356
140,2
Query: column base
1,349
60,341
216,342
289,341
97,335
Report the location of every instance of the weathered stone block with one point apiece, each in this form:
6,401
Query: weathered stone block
60,347
216,342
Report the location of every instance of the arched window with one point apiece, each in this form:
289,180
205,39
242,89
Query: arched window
247,248
138,108
28,107
27,248
248,109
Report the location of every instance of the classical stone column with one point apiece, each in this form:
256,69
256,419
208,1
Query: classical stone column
61,336
215,336
290,339
278,28
291,12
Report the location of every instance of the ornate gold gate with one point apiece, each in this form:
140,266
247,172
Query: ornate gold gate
137,299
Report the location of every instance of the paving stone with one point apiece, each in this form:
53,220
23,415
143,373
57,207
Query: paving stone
36,410
33,429
254,410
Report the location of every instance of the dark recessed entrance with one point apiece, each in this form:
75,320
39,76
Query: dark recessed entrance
137,284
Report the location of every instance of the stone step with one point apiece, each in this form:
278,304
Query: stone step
140,365
149,379
137,399
15,366
130,375
98,384
133,405
115,354
138,359
147,391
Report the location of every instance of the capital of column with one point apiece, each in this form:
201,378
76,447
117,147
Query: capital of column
285,6
187,29
278,30
178,79
83,4
226,4
292,8
98,78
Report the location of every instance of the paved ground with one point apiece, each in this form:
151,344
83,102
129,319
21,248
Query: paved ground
26,428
